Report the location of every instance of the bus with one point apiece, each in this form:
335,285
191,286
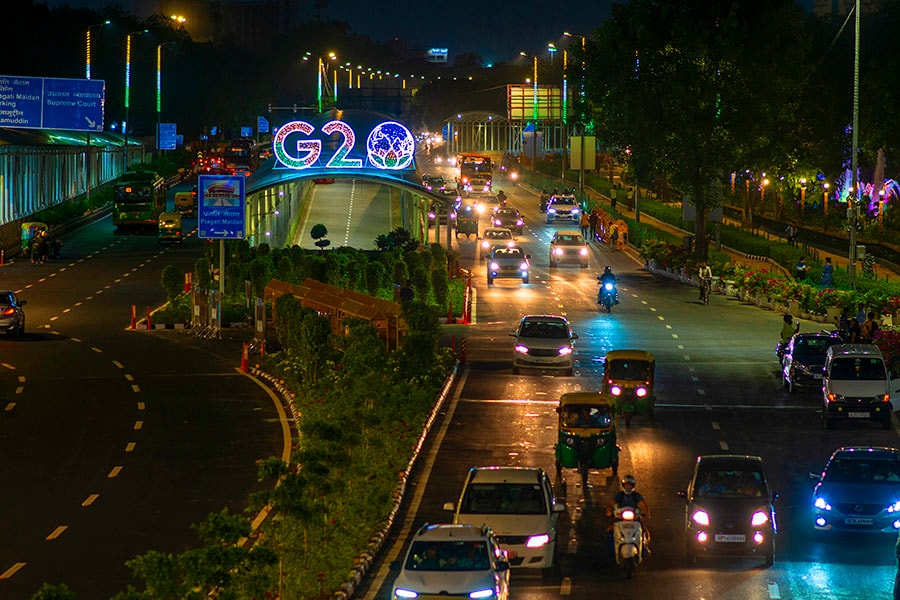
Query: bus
139,199
475,173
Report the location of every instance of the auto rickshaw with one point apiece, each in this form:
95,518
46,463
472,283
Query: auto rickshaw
467,220
29,230
628,377
185,203
587,434
169,227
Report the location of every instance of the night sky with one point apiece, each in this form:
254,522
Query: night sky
495,29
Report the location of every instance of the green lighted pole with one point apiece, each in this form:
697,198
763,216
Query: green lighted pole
128,93
535,118
87,75
319,80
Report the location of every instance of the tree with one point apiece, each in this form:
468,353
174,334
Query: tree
172,282
697,89
318,233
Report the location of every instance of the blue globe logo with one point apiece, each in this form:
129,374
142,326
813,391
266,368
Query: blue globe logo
390,146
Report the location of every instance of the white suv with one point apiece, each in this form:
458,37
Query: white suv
568,245
544,342
517,503
461,561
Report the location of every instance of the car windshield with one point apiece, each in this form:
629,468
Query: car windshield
7,298
569,239
556,330
808,349
855,470
857,368
508,253
629,369
448,556
564,200
586,415
497,235
730,483
503,499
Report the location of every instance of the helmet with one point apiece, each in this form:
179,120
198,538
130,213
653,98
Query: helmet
628,480
788,319
607,269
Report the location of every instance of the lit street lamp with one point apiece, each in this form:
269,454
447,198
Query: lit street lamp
87,48
802,197
825,187
128,91
159,48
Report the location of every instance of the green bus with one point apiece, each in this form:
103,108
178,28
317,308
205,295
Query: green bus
139,199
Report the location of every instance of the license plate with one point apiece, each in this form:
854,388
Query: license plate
857,521
730,538
858,415
817,376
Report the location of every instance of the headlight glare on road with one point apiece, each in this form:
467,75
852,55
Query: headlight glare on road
701,517
536,541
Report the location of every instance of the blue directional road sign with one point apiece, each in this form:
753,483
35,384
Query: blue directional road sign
48,103
166,136
221,201
262,125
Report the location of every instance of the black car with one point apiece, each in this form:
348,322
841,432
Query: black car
508,217
729,508
803,363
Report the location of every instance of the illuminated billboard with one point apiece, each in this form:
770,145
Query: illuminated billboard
521,101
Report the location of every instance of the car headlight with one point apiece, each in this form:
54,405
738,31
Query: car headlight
821,504
523,267
485,593
608,287
521,349
551,210
404,593
497,222
759,518
832,397
565,350
701,517
520,223
485,244
558,251
536,541
583,252
895,507
615,390
640,392
575,211
495,266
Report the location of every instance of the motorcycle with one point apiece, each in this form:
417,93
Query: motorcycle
629,539
608,295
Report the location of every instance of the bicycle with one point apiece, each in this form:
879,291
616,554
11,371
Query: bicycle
705,291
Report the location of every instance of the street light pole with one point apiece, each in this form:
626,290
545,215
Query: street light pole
128,93
852,200
581,114
159,48
87,75
535,119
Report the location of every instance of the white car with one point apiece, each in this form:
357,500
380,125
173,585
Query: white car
544,342
457,561
568,245
494,236
518,504
12,316
563,208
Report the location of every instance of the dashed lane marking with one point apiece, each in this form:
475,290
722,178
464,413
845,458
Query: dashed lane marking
57,532
115,472
90,499
12,570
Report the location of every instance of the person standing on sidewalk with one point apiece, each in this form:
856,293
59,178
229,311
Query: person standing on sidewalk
585,224
593,221
612,202
827,274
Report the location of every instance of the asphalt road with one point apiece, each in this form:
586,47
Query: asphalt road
115,442
354,212
718,392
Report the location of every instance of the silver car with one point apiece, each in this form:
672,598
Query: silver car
859,490
12,315
544,342
508,263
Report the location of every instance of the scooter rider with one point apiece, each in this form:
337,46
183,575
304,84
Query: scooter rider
501,198
788,329
544,199
607,277
629,496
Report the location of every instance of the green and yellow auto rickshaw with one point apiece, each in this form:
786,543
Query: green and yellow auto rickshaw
587,434
467,220
628,377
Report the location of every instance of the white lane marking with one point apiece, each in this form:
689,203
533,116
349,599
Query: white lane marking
679,346
10,406
723,445
74,339
12,570
136,388
98,292
129,447
652,309
774,592
21,379
694,378
20,389
115,472
715,425
8,366
668,326
674,335
65,310
53,318
90,499
128,377
97,350
57,532
660,317
687,357
700,392
141,406
138,425
118,364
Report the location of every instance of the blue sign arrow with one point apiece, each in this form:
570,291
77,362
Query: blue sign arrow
221,200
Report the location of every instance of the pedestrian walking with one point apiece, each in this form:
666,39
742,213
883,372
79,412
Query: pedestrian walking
612,202
585,225
593,220
613,238
827,274
790,232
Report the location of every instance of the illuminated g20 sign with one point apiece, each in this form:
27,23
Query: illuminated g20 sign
298,145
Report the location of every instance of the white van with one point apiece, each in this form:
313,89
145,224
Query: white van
856,385
518,504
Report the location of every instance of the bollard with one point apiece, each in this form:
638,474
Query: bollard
2,257
262,349
149,325
245,357
133,317
462,351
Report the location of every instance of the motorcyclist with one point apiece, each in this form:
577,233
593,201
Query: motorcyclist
788,329
501,198
607,277
545,198
630,497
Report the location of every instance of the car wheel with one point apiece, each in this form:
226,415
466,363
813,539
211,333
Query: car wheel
790,387
21,329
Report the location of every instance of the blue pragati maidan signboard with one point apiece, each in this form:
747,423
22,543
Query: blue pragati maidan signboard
344,141
220,202
48,103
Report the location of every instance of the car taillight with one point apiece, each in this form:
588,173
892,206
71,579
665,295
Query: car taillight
9,311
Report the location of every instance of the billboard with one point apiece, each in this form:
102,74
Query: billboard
52,103
520,102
